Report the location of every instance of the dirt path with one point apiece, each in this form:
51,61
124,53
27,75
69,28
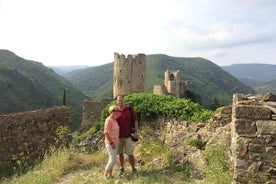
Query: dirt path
78,177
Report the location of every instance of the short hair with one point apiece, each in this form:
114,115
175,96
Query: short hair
111,108
118,96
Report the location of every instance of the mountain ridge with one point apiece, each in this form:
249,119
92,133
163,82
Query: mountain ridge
28,85
202,73
261,77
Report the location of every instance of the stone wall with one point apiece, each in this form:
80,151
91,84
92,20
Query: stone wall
91,110
253,143
25,136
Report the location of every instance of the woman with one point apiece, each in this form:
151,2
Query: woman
111,132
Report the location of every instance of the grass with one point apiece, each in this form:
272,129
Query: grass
67,165
218,169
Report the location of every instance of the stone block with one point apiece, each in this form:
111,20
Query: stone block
241,147
269,97
252,112
254,156
266,127
257,148
245,127
254,167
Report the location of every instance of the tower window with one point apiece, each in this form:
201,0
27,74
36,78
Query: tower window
171,77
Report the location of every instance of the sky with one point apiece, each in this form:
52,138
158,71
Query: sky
88,32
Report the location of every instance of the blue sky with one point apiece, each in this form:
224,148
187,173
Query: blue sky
88,32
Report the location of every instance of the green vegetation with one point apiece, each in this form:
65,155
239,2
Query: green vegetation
209,83
87,129
72,166
266,87
155,166
56,163
254,71
261,77
28,85
218,170
89,168
148,105
197,143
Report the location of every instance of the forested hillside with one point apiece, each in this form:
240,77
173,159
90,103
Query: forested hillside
207,80
28,85
266,87
261,77
256,72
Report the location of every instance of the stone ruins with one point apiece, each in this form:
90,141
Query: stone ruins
129,74
172,85
253,140
28,135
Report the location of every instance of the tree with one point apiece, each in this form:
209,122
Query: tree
64,97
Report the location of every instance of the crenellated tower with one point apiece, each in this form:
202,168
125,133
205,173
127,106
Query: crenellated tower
129,74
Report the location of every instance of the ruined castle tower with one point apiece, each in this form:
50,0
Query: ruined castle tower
172,85
129,74
172,82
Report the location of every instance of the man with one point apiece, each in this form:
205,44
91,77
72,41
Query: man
125,117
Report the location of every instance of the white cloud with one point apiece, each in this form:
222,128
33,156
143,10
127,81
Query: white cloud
68,32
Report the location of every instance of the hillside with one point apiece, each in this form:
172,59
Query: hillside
207,80
28,85
258,76
64,69
254,72
266,87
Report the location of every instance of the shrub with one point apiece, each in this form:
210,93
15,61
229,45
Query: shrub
197,143
148,105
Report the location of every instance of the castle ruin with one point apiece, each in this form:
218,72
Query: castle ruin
129,74
172,85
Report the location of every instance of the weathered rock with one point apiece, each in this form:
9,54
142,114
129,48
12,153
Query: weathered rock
269,97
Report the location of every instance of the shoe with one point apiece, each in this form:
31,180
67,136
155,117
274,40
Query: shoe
122,170
134,171
108,177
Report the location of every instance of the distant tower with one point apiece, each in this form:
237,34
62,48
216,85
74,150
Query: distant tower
172,82
172,85
129,74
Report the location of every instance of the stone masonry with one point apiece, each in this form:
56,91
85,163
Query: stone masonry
26,136
91,110
253,143
129,74
172,85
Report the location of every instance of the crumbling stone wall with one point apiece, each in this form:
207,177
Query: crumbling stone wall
129,74
27,135
253,143
91,110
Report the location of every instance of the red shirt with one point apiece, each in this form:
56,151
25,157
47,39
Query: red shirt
124,120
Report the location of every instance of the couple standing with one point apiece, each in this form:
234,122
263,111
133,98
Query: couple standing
117,130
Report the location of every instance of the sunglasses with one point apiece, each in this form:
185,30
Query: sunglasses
114,110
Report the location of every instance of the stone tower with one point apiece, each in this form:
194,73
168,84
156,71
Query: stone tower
129,74
172,82
172,85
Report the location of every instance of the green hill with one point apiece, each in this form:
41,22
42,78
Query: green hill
28,85
207,80
256,72
266,87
